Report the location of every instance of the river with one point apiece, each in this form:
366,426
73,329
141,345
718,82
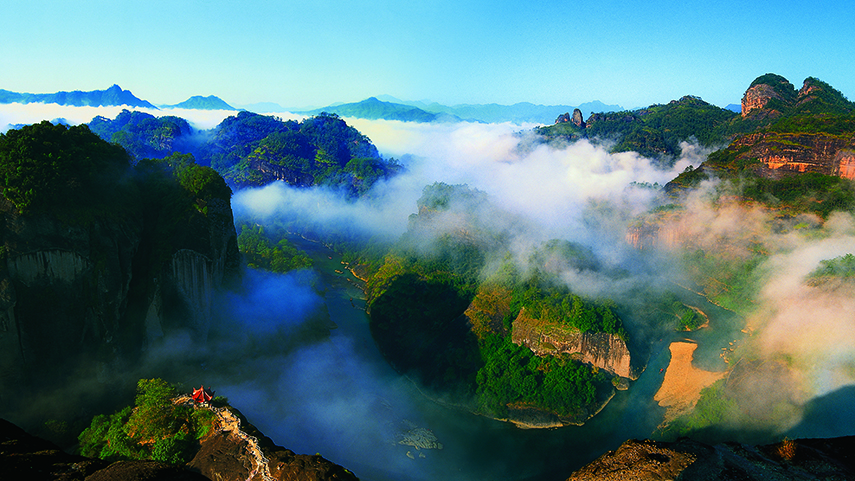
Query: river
339,398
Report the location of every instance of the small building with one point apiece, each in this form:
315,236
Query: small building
202,395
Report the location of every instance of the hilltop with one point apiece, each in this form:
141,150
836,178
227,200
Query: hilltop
199,102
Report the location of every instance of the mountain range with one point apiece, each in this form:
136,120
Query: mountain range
380,107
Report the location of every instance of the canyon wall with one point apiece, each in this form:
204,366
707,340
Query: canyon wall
599,349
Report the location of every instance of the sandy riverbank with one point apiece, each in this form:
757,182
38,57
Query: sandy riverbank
681,387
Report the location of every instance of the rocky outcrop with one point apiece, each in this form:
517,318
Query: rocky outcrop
757,97
576,119
796,153
605,351
807,459
238,452
767,96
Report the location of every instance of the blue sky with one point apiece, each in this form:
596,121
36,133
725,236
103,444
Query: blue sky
315,52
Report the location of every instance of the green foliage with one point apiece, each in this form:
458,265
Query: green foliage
512,374
154,428
810,192
659,129
730,281
260,252
173,449
687,319
45,166
842,267
714,407
107,439
252,149
143,135
555,304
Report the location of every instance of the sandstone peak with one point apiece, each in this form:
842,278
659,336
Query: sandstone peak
763,91
576,119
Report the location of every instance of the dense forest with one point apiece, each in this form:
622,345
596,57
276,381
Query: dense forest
249,149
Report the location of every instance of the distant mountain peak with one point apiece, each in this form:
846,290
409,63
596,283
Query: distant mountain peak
198,102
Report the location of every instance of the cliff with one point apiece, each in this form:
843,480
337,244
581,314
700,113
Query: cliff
96,264
234,451
778,154
605,351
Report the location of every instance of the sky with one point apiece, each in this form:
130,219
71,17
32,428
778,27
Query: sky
314,53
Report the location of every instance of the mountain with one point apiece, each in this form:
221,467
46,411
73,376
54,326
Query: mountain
198,102
113,96
734,108
372,109
250,149
219,454
654,131
783,132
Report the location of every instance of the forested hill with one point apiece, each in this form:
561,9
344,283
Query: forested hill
249,149
771,105
372,109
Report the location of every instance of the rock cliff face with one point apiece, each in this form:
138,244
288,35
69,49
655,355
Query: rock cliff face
795,153
605,351
93,293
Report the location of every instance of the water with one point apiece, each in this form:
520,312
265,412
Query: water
339,398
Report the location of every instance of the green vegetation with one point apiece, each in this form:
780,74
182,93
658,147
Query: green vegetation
810,192
418,296
513,375
143,135
842,267
657,130
687,318
154,428
48,167
555,304
713,408
262,251
251,150
731,281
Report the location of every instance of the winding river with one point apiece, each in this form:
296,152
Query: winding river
339,398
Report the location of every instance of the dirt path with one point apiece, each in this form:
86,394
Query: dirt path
231,423
683,382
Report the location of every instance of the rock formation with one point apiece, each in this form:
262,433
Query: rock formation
757,100
605,351
798,153
576,119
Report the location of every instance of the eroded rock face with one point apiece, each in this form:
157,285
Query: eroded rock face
605,351
757,97
798,153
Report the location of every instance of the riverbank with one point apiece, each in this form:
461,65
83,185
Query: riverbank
682,384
